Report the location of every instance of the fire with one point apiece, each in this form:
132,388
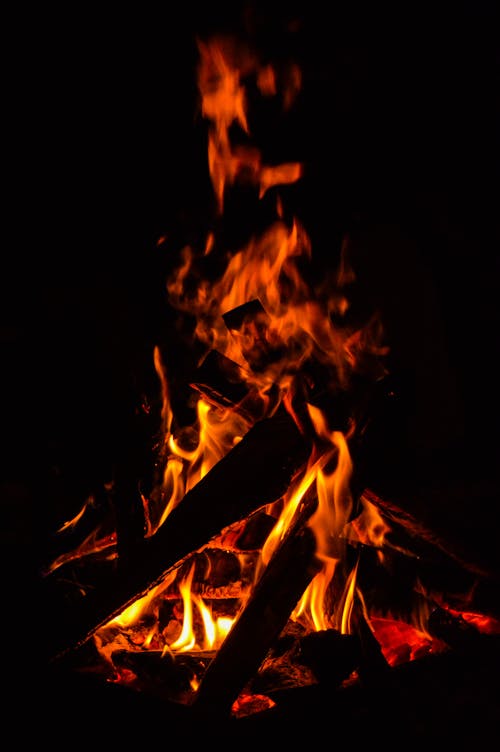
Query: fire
214,631
100,540
290,342
189,455
223,66
282,325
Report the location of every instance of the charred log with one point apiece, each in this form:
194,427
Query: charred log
260,623
256,472
330,655
438,560
163,674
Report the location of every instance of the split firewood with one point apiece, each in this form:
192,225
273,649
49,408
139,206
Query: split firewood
440,562
256,472
263,618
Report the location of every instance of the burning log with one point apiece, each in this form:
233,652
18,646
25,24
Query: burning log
220,379
170,677
331,656
435,559
256,472
249,325
222,382
287,575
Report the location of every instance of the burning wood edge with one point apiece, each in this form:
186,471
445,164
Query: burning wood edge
417,530
463,583
256,472
265,615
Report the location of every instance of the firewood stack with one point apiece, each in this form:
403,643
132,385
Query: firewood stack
266,654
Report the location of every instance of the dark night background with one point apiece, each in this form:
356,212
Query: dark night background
397,124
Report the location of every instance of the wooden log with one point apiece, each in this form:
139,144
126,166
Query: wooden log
221,380
283,582
164,674
441,563
224,383
256,472
249,324
331,656
423,535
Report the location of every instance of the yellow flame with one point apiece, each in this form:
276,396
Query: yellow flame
215,432
348,602
214,631
271,346
186,640
328,521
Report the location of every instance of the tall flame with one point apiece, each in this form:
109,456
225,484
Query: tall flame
285,324
222,67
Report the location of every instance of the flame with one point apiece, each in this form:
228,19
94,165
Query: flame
328,521
285,323
214,631
186,639
69,524
265,315
223,64
188,456
97,542
369,528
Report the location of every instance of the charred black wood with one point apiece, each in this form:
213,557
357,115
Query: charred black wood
373,668
331,656
393,590
393,593
282,668
252,310
396,514
255,531
256,472
221,379
406,569
132,461
225,384
249,324
440,561
283,582
162,673
438,518
325,658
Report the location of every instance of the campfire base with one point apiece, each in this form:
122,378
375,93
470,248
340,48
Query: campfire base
448,697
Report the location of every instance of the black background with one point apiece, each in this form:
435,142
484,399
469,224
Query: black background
397,124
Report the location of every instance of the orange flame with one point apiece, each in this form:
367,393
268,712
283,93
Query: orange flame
328,521
286,323
223,65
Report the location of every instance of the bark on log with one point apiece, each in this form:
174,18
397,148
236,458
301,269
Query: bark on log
256,472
